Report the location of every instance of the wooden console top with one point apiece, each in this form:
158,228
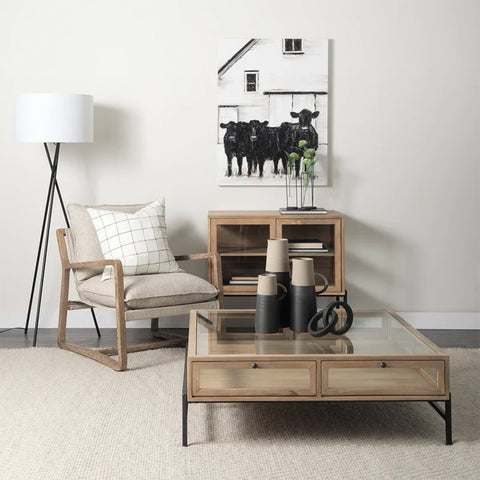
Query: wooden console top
270,214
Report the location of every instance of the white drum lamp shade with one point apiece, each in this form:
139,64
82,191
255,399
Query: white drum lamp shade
53,118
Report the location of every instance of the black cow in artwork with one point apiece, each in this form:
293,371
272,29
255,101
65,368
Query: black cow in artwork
274,150
257,142
264,144
292,133
235,144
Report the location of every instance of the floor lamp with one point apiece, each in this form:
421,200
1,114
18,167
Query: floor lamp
51,118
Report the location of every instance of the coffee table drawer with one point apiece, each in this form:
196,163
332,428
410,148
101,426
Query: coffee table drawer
224,379
371,378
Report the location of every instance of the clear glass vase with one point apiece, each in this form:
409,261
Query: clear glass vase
306,190
291,189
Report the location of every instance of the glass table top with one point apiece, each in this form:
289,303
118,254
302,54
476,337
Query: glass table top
224,332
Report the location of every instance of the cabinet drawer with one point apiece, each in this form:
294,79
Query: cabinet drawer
371,378
223,379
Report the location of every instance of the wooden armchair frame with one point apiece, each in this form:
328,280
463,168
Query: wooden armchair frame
103,355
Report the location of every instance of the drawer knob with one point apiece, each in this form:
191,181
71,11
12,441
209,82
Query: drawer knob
383,364
254,365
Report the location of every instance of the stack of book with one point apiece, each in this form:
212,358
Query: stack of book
244,281
305,246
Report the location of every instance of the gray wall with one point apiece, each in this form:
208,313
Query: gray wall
404,132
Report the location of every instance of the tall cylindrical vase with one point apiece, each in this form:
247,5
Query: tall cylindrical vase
278,263
267,312
291,189
307,190
303,295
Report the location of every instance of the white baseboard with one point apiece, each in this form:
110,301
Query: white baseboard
106,319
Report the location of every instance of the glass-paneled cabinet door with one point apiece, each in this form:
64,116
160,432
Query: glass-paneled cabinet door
322,240
242,245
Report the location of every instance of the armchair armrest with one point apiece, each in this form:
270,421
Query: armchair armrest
61,233
116,264
196,256
215,269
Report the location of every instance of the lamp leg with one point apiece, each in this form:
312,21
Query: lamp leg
47,232
60,198
95,322
57,188
40,243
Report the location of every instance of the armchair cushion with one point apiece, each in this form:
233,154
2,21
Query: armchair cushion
83,244
138,239
148,291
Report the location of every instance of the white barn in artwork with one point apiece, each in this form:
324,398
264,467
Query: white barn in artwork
266,79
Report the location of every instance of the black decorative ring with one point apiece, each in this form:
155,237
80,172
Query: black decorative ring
327,326
349,321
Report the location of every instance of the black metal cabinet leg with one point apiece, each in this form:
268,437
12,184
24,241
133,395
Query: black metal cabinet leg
447,417
448,421
185,420
185,403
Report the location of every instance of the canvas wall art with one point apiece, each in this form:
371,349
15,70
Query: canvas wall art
272,93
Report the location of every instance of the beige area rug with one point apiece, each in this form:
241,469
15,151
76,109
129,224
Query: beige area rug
63,416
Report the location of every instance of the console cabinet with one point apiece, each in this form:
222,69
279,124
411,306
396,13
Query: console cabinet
240,237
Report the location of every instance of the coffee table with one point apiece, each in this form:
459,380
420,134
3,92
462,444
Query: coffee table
381,358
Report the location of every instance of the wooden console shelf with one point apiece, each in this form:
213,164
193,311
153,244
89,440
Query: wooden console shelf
240,237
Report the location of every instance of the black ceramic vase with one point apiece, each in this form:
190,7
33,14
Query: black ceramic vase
303,306
303,294
284,303
267,312
278,263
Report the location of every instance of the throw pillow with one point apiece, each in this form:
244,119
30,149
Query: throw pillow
138,239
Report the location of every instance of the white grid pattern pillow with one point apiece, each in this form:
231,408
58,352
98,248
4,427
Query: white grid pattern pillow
138,239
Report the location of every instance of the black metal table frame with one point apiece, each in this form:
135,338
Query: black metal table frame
446,413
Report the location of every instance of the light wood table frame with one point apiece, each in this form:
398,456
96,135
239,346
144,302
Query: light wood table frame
390,361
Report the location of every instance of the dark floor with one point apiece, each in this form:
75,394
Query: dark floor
47,337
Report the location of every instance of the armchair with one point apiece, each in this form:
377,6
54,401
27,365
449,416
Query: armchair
133,297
